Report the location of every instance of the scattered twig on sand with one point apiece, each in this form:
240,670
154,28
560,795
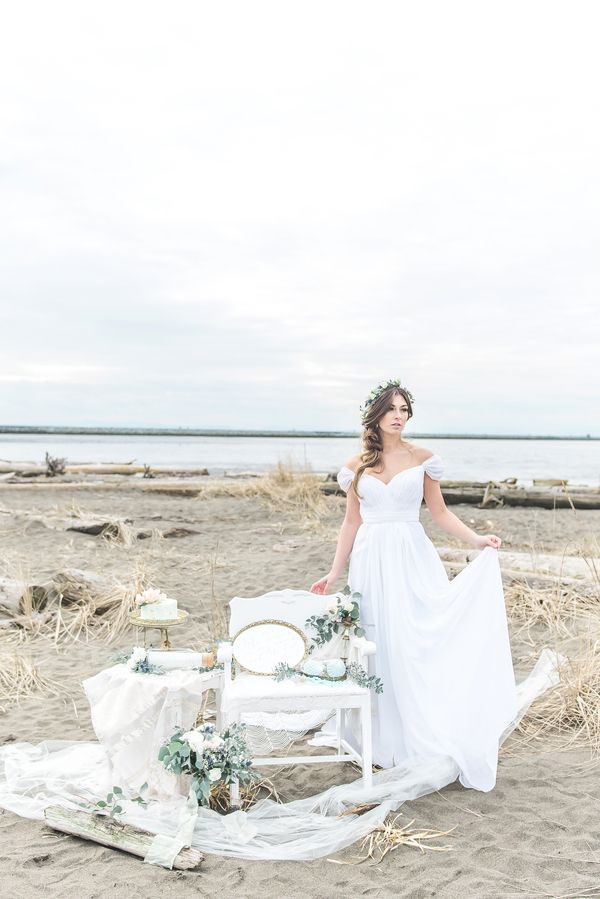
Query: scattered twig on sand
387,837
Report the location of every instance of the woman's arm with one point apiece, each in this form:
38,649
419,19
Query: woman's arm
350,525
449,522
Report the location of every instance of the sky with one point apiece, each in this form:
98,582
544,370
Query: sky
246,215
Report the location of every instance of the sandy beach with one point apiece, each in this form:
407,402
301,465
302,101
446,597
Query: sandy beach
536,834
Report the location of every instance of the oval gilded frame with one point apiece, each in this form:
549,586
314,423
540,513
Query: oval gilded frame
263,621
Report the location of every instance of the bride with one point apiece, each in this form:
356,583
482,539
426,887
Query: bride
443,649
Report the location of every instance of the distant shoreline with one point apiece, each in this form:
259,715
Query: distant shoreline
222,432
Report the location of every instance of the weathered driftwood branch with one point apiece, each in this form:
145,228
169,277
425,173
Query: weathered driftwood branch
72,585
32,469
536,568
505,494
110,832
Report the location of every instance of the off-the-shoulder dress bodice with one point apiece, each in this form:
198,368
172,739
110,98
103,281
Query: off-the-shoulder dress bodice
398,500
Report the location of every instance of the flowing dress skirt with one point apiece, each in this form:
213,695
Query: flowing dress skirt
443,651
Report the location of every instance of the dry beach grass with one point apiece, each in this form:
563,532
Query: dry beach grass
535,834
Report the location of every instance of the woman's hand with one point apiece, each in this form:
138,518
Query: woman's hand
325,585
488,540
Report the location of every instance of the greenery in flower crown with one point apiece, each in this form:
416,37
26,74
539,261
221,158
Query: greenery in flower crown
377,391
341,613
211,758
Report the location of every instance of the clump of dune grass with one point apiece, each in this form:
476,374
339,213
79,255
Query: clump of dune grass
559,608
250,793
567,716
74,605
20,677
286,488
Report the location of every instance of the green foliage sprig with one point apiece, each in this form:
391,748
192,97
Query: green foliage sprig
137,664
354,672
110,806
362,678
343,612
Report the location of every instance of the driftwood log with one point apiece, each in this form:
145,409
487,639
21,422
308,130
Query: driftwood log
110,832
495,493
33,470
541,569
71,584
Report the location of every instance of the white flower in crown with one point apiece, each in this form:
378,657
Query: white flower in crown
214,775
150,595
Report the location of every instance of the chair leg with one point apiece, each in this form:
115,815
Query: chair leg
218,699
234,786
338,729
367,746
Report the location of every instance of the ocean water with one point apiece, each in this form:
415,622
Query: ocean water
577,461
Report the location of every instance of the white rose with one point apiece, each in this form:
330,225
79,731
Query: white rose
131,664
195,741
214,775
138,654
215,742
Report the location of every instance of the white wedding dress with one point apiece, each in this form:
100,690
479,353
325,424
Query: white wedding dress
443,650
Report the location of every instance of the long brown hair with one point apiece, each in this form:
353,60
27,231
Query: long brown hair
371,455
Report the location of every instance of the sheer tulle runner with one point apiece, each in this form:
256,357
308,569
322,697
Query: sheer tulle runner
66,773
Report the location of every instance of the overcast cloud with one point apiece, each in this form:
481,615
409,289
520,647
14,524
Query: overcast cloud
247,214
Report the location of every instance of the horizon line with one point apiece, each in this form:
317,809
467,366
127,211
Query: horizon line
230,432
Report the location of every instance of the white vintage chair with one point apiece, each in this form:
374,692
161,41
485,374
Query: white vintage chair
250,692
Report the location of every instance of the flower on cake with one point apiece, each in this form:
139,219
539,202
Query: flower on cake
150,595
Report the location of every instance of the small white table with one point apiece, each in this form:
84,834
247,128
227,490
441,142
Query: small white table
134,714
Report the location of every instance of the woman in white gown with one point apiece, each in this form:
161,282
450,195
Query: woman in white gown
443,649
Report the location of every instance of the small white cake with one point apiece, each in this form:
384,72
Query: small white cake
165,610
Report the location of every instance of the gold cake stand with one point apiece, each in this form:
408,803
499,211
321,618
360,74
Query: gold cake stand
162,626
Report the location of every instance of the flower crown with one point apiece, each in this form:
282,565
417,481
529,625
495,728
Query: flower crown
377,391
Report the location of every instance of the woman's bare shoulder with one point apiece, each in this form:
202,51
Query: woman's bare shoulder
422,452
353,463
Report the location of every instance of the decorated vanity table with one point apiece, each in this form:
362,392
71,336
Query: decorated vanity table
136,705
134,714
